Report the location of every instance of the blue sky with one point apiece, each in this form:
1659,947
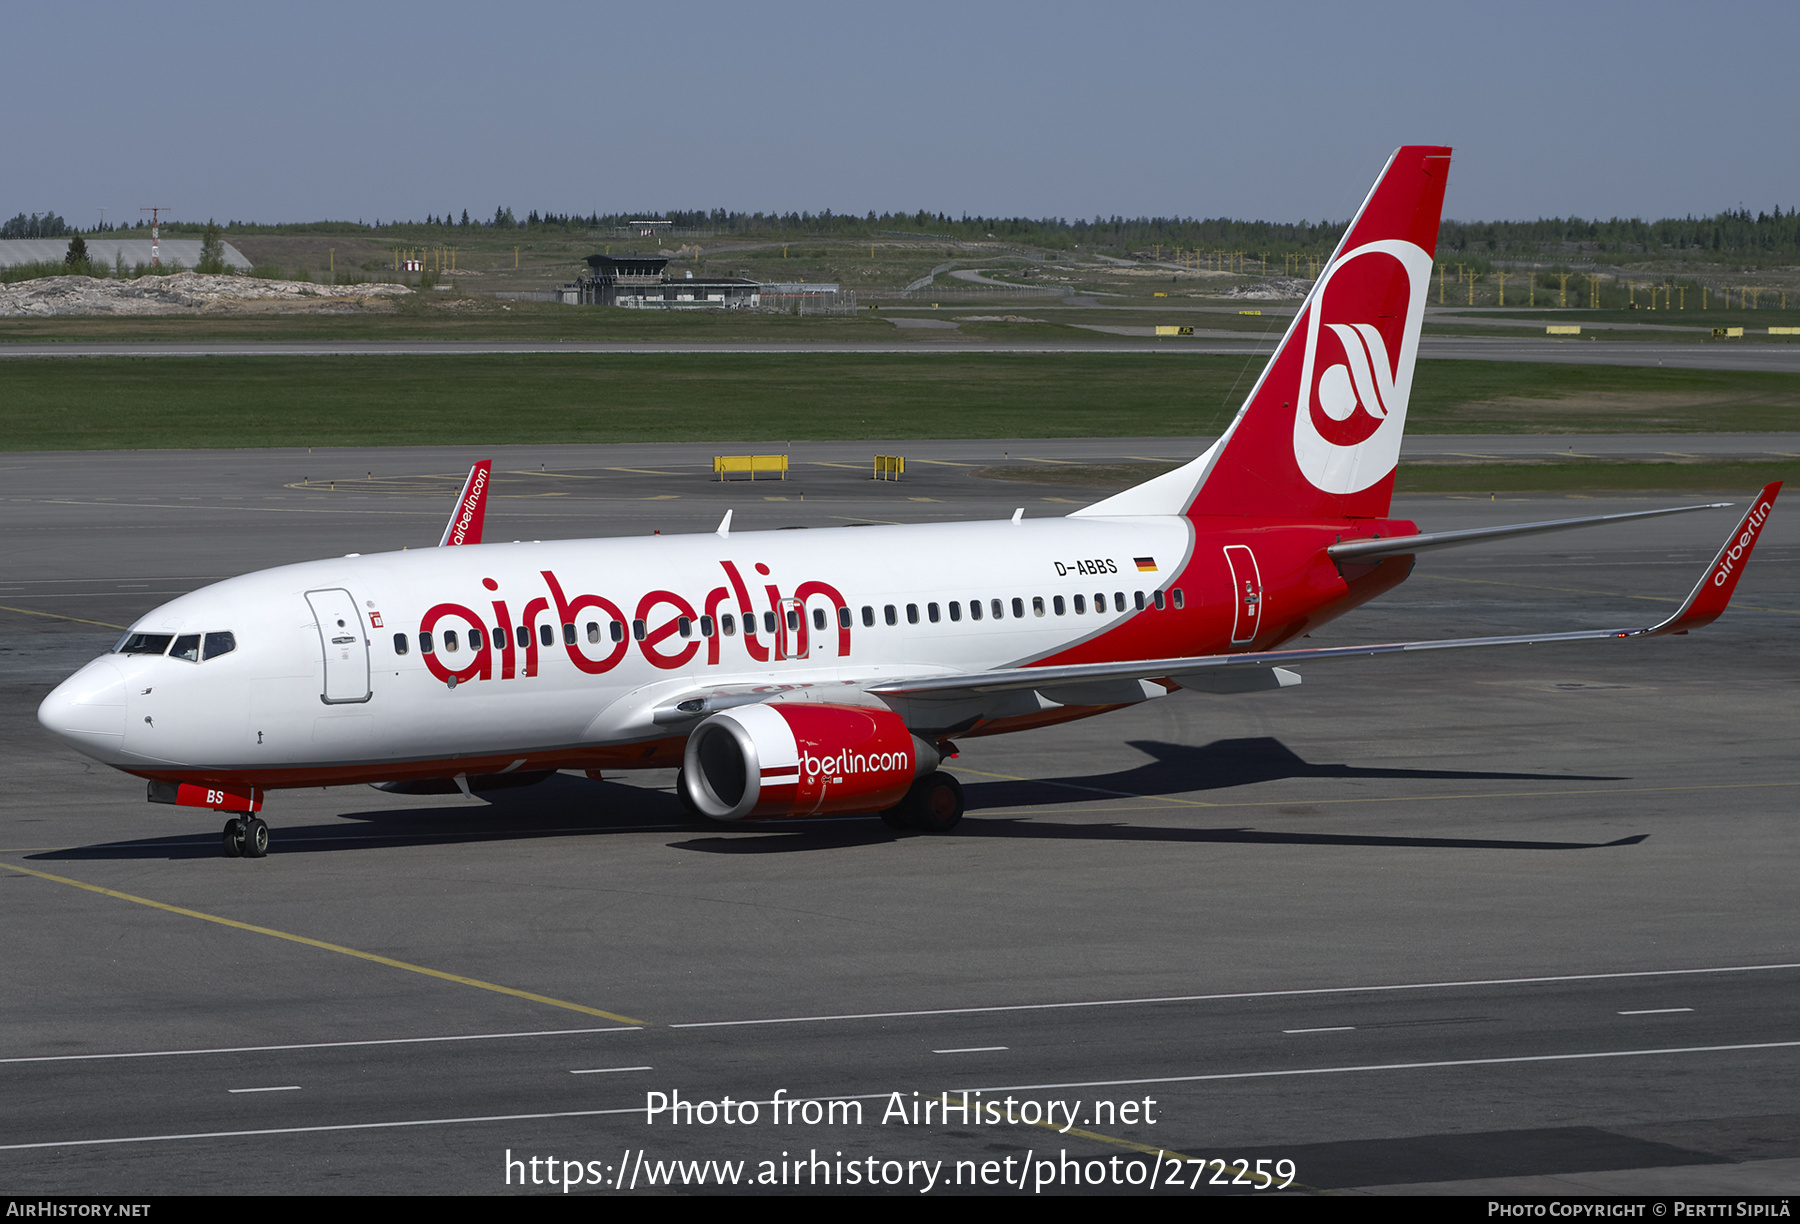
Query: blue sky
1274,111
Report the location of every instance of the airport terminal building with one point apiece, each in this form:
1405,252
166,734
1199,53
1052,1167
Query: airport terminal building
641,282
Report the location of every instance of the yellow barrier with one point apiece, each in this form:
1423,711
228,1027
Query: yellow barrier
1250,312
889,467
1784,331
1563,329
723,465
1726,333
1159,295
1174,331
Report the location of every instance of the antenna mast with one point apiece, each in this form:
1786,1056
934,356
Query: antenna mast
155,242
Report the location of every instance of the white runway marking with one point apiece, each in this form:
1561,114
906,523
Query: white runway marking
1341,1028
608,1070
282,1088
1656,1011
971,1050
323,1045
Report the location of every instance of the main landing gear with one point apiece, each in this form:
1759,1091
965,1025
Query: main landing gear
933,805
246,837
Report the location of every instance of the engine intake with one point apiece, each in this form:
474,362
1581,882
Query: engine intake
801,759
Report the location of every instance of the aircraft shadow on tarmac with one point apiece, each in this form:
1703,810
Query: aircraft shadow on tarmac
567,805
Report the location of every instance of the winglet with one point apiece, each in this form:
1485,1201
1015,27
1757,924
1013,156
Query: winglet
725,526
1714,591
464,526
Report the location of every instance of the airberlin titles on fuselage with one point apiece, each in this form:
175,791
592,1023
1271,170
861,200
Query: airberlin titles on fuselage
658,616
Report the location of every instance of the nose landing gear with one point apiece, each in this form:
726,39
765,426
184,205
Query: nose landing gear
245,837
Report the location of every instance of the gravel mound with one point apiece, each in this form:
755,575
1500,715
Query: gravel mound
186,293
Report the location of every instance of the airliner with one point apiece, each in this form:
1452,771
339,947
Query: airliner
819,673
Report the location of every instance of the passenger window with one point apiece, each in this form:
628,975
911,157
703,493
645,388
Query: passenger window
1037,605
424,643
868,617
769,623
1018,607
818,618
546,635
955,610
912,614
1056,602
477,640
399,644
1138,598
523,635
225,642
1178,603
637,630
1156,597
187,646
616,629
892,618
931,611
684,626
793,620
1118,601
450,642
974,609
1081,605
1099,602
568,635
843,618
729,623
998,609
706,626
593,631
499,638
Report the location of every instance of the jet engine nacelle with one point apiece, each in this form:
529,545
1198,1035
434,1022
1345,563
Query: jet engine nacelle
801,759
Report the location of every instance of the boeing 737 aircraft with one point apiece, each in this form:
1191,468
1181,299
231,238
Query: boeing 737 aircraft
791,674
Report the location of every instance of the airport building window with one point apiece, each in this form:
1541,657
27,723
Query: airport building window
224,642
399,643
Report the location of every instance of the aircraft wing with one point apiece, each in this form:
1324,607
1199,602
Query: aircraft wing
1702,606
1399,546
466,519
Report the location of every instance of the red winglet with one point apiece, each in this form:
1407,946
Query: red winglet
1713,593
464,526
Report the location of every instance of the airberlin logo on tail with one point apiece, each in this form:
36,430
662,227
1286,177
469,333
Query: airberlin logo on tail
1362,339
1728,559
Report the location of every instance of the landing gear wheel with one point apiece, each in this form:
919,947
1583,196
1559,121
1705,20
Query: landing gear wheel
256,838
937,803
234,837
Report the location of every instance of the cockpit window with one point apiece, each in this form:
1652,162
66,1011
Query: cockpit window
219,643
145,643
187,646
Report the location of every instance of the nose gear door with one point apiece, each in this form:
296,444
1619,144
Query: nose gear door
345,644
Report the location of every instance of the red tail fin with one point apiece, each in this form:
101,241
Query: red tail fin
465,522
1319,435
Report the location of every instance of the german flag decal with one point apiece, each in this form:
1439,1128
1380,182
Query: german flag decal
1146,565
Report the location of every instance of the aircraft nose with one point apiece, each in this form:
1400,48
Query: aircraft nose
87,711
